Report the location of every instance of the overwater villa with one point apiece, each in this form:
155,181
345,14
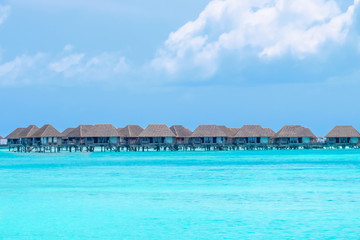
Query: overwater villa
157,134
130,134
343,134
208,134
14,137
230,134
254,134
26,135
65,133
294,134
47,136
182,134
77,135
101,134
271,133
22,136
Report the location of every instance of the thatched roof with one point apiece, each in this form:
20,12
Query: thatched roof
101,130
180,131
294,131
270,132
15,134
66,132
229,133
235,130
46,131
130,131
28,132
343,131
157,130
79,132
253,131
208,131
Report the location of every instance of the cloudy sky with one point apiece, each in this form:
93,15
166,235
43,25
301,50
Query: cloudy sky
232,62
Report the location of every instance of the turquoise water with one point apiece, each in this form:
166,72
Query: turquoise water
302,194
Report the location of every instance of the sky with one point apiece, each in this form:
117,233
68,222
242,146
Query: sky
229,62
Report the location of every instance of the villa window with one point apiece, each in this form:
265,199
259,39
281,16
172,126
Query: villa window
252,139
157,140
102,140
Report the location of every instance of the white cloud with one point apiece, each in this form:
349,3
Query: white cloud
4,13
97,67
121,65
67,63
270,28
11,72
65,68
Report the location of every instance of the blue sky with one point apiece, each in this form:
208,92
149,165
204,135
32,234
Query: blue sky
268,62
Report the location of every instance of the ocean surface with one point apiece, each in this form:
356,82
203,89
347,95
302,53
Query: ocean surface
299,194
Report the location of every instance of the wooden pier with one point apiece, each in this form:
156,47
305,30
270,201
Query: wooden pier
170,147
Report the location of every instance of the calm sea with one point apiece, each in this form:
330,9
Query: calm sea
302,194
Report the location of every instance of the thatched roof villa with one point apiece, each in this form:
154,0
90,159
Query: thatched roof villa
26,135
343,134
253,134
271,132
66,132
79,132
101,130
294,134
22,135
101,134
182,134
29,131
14,136
130,131
230,134
130,134
77,135
228,131
209,134
157,134
47,135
